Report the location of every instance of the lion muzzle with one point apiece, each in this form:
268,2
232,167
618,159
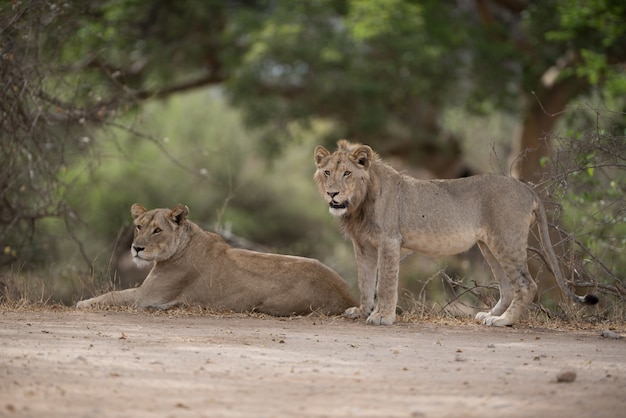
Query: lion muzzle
335,205
136,250
138,254
337,209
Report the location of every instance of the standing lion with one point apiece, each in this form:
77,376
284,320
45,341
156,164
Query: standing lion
383,211
197,267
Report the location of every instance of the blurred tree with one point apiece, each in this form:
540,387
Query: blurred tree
381,71
560,50
384,70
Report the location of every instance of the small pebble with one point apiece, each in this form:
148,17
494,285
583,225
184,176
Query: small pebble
610,334
566,376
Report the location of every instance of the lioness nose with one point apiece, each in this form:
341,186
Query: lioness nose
138,248
332,194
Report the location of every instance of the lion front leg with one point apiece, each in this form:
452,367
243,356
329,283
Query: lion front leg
366,257
387,286
128,297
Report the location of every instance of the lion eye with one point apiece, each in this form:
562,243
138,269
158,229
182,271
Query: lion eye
327,173
347,173
156,230
138,227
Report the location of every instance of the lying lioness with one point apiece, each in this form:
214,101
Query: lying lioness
193,266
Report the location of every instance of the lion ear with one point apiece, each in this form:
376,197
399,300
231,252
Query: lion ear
362,156
320,153
137,210
179,213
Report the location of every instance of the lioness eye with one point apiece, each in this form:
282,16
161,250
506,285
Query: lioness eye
327,173
347,173
156,230
138,227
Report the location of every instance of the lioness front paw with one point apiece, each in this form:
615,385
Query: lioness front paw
378,318
82,304
354,313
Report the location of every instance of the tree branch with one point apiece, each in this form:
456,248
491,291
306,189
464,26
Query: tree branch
209,80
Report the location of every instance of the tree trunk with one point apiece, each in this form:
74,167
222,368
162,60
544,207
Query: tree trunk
542,111
532,152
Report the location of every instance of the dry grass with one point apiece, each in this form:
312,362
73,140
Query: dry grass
20,293
533,319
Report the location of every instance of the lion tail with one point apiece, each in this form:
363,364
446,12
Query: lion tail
542,222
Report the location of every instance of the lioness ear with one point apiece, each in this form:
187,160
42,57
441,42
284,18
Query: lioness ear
179,213
362,156
320,153
136,210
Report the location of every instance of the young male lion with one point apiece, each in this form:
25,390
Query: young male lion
382,210
197,267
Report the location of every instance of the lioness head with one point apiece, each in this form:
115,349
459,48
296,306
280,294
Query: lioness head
158,233
342,177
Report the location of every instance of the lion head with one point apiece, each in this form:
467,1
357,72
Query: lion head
343,177
158,233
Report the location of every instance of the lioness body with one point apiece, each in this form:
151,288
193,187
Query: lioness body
383,211
196,267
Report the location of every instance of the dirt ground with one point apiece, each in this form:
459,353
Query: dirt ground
61,362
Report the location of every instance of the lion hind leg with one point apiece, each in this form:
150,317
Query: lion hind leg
524,292
504,284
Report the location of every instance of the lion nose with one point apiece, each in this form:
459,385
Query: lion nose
332,194
138,249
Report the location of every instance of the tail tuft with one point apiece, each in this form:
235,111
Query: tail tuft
590,299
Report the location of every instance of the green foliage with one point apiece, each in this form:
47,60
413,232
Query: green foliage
595,22
596,31
591,177
362,66
375,68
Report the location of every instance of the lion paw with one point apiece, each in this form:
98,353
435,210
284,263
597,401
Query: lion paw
490,320
353,313
377,318
358,312
497,321
482,316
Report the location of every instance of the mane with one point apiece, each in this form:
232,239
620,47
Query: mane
359,222
360,218
346,147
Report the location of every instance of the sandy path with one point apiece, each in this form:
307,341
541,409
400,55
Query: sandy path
96,364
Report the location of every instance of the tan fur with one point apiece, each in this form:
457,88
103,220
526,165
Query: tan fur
383,211
193,266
